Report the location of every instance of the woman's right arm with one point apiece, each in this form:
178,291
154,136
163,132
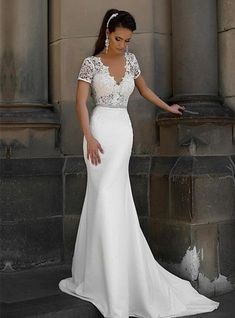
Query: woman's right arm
81,108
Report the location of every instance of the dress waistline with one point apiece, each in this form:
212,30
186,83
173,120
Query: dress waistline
111,106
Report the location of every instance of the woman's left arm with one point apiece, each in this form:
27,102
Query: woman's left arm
148,94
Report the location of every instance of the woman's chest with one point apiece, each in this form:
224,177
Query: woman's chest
105,84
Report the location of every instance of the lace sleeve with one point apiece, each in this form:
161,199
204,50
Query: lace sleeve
86,71
135,66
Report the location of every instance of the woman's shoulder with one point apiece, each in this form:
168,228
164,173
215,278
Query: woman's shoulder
131,56
91,60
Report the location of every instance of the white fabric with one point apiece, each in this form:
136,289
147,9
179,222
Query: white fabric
105,89
113,266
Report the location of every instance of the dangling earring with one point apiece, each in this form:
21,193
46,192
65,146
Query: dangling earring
106,43
127,49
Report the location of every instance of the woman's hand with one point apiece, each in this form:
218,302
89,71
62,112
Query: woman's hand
175,109
92,150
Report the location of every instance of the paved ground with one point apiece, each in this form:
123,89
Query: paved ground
35,293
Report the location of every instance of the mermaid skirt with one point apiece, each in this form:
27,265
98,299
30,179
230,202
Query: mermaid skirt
113,266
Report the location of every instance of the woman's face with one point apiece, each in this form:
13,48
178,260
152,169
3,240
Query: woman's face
119,39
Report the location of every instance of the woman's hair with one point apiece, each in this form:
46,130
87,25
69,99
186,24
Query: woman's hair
123,19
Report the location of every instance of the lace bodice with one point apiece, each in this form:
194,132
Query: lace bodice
104,88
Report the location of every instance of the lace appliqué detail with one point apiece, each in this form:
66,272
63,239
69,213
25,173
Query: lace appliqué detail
105,90
87,70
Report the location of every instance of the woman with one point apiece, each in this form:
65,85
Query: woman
113,266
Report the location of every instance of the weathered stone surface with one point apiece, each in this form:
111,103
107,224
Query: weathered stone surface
191,50
30,188
168,141
71,223
208,138
69,11
227,62
214,189
24,60
198,188
139,165
30,197
169,241
226,248
205,239
214,198
162,16
193,139
226,10
162,65
139,186
75,181
30,243
75,188
160,186
181,189
144,224
230,102
139,178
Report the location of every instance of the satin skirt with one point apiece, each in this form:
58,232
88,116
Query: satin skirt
113,266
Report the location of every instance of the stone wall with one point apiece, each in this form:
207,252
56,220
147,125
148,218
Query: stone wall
182,172
74,27
226,37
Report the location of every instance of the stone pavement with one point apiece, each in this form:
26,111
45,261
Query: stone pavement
35,293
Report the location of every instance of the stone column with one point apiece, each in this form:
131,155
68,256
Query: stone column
24,108
192,176
24,60
194,48
30,170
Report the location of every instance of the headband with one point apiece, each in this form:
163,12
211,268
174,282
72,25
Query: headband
112,16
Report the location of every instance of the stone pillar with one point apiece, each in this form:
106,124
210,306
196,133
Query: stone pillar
24,60
194,47
24,108
192,189
30,171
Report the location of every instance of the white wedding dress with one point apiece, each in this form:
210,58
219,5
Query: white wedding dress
113,266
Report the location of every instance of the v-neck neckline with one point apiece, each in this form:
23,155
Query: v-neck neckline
108,71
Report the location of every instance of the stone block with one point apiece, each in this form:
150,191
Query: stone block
54,12
71,224
188,251
159,186
75,182
198,188
142,45
144,224
30,243
226,13
69,11
168,140
214,189
162,65
75,188
139,179
227,62
205,239
169,241
139,165
30,188
143,116
208,138
139,186
181,189
226,248
162,16
230,102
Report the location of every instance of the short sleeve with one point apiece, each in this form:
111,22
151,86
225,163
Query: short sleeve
135,66
86,71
